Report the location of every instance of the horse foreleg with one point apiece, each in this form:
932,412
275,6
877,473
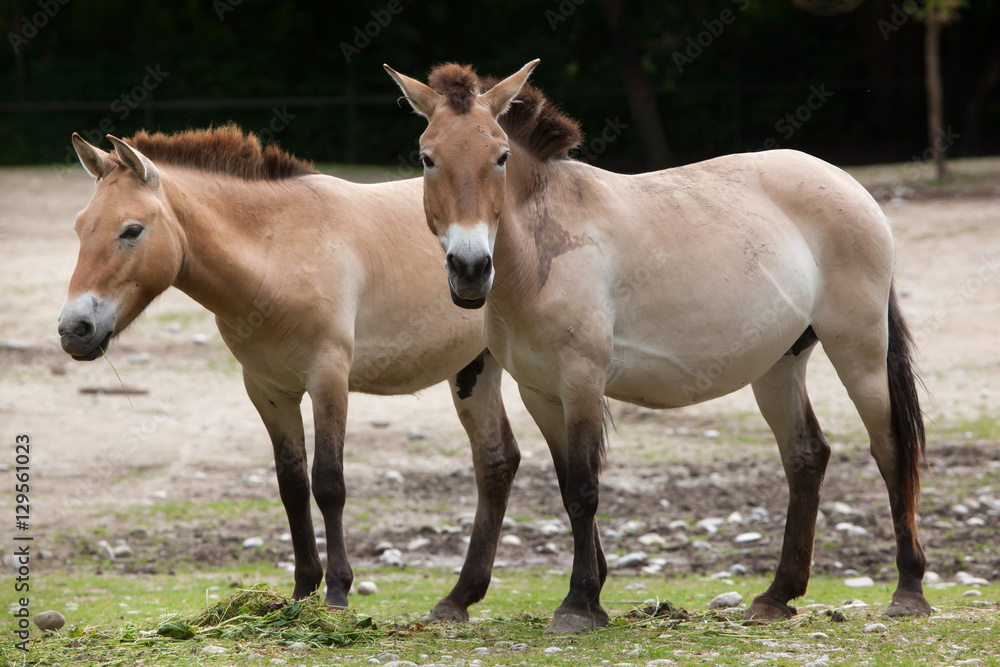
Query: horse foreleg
781,395
329,397
283,418
495,458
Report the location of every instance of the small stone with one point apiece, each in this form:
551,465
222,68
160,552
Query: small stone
747,537
392,557
702,544
297,646
875,627
202,339
199,475
252,542
850,572
508,523
932,578
651,539
970,661
387,657
819,635
401,663
480,649
837,617
519,647
758,514
49,620
382,547
734,517
710,526
415,434
630,560
971,593
140,358
960,510
123,551
975,521
552,649
547,548
367,588
212,649
394,476
278,661
726,600
105,551
710,433
658,662
851,529
966,579
550,526
859,582
841,508
678,524
651,569
854,603
173,327
633,526
512,540
417,543
636,587
737,570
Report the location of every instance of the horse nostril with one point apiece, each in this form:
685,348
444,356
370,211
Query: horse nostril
487,265
451,263
80,328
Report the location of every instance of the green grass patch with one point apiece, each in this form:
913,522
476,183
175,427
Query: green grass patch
176,617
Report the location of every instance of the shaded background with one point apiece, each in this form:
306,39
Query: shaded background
687,82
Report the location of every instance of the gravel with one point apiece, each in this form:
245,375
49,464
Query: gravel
726,600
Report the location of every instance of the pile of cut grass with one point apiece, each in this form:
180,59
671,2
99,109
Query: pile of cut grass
261,614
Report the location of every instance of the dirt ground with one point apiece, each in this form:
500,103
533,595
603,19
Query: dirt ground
105,468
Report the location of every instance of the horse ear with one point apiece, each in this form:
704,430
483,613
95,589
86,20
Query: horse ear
499,97
136,161
421,97
93,159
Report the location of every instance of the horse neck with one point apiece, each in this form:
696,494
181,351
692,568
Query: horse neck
227,232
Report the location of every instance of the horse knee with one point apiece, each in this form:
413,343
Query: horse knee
329,490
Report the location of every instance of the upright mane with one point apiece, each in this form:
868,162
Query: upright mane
530,120
225,150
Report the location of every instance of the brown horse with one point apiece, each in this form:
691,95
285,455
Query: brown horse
667,289
316,288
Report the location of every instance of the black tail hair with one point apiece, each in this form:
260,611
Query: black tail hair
906,416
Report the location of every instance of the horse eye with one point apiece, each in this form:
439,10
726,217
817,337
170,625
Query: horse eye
428,163
502,160
131,232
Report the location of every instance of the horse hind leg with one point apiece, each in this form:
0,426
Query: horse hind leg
782,398
495,458
875,365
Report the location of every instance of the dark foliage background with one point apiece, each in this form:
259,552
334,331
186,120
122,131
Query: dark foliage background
603,61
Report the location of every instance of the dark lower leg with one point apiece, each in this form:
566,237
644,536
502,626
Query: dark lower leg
293,487
908,598
330,492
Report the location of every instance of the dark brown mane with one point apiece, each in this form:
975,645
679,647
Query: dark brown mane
531,120
224,150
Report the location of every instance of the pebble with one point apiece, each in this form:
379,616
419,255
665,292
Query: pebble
875,627
173,327
512,540
636,587
819,635
550,526
702,544
49,620
548,548
726,600
630,560
202,339
278,661
975,521
392,557
394,476
737,570
651,539
105,551
851,529
367,588
415,434
972,593
747,537
123,551
380,548
961,510
841,508
297,646
140,358
251,542
213,649
850,572
710,433
509,523
652,569
859,582
417,543
519,647
734,517
659,661
400,663
552,649
970,661
854,603
612,534
387,657
710,526
633,526
759,514
678,524
931,578
480,649
967,579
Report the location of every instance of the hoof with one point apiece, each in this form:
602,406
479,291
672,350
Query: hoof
601,618
336,599
908,604
765,610
448,611
570,623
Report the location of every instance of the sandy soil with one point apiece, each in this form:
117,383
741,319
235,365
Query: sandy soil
194,435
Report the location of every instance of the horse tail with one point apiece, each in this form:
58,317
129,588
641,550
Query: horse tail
906,418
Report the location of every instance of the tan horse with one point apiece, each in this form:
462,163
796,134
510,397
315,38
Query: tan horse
316,288
667,289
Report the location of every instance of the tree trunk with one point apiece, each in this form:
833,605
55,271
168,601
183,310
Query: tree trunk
638,88
932,65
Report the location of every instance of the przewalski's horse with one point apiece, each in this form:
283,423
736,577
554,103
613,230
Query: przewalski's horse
316,287
667,289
